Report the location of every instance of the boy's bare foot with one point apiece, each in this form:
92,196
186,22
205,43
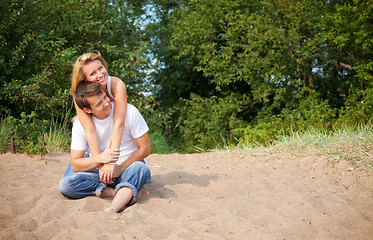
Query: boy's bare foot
143,191
110,210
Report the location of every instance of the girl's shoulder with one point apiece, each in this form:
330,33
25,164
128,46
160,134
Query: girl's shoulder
117,86
115,80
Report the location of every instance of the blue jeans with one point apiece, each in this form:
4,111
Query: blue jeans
83,184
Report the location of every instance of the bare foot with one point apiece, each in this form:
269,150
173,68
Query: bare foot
110,210
143,191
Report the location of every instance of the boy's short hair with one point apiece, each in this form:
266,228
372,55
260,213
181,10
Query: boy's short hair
85,90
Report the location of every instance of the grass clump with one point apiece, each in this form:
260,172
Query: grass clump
33,136
159,144
57,139
351,143
354,144
6,132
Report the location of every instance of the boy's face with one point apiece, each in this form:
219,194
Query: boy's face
100,106
95,71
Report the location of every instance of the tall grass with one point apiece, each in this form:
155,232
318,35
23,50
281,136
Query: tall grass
159,144
5,133
58,138
354,144
351,143
231,147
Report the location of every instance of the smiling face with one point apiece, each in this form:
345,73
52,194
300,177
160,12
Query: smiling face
95,71
100,106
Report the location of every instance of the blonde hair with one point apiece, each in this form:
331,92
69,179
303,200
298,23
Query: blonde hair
77,75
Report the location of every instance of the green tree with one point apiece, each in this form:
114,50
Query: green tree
280,54
174,77
39,42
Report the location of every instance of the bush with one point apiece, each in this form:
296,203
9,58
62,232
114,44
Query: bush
358,108
311,111
263,132
28,132
206,123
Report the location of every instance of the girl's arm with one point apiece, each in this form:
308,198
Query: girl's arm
119,91
89,129
118,88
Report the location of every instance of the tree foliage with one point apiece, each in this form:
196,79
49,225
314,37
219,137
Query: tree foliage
40,40
309,61
225,71
174,78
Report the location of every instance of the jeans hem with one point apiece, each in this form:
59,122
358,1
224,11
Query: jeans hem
100,188
135,193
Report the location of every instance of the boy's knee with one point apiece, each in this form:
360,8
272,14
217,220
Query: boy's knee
138,165
65,188
62,187
143,170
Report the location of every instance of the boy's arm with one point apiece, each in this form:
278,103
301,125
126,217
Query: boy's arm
80,164
118,88
143,150
108,172
89,129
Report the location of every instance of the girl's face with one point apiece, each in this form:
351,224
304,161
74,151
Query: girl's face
95,71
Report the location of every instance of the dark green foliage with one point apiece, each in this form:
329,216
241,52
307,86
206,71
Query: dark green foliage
299,64
158,121
226,72
174,76
28,132
6,132
358,109
207,123
40,41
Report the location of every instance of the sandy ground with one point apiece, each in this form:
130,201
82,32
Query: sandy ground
230,195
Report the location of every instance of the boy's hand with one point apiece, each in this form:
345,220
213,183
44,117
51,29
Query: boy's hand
117,172
107,173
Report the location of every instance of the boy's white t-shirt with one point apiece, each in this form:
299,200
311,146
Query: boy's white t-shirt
134,127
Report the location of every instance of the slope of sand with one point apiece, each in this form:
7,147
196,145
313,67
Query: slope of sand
230,195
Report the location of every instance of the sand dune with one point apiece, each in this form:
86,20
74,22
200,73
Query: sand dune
229,195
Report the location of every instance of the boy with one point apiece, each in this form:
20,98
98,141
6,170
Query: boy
98,175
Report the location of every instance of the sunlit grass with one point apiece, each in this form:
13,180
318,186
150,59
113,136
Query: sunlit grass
5,134
353,144
57,139
159,144
232,147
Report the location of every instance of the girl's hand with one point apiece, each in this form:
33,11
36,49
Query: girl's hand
106,156
114,154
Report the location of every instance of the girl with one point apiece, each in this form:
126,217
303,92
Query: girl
92,67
